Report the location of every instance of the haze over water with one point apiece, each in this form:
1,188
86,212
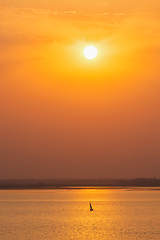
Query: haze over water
64,214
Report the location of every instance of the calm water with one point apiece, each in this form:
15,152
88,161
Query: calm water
65,214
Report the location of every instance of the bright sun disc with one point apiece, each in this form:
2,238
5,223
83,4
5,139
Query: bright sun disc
90,52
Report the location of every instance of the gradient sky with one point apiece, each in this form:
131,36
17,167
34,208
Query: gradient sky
64,116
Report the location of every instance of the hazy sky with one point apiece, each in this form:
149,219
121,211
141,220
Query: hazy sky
64,116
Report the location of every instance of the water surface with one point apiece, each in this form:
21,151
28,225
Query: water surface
64,214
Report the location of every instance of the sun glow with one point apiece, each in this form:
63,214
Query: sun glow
90,52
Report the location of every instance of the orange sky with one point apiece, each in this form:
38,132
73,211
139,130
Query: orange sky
64,116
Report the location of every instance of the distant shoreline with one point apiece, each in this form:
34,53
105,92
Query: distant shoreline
80,183
88,188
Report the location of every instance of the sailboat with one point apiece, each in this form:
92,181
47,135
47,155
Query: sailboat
91,209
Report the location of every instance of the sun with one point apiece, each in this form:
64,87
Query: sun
90,52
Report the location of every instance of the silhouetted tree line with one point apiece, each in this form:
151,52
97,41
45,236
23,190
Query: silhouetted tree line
60,183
